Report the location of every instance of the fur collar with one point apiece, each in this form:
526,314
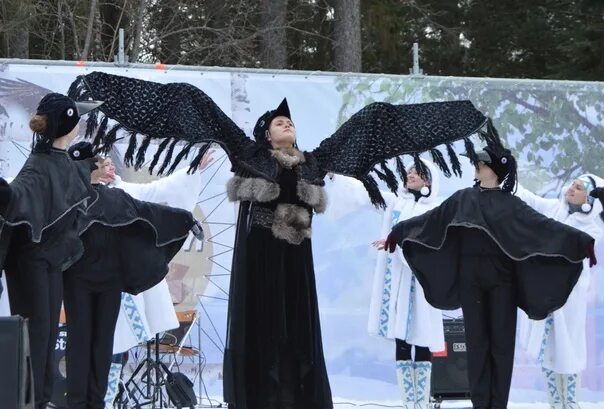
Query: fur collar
288,157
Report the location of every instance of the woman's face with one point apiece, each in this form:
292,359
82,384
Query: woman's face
576,193
415,181
282,132
106,170
484,173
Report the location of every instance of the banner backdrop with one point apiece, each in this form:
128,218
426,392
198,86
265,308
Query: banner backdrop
556,128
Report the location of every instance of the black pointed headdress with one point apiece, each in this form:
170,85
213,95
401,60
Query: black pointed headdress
264,122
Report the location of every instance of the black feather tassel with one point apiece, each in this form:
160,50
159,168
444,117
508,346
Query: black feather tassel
101,131
400,169
492,134
470,152
91,123
391,180
374,192
110,138
455,165
439,160
197,160
183,153
129,156
420,166
168,157
140,155
160,149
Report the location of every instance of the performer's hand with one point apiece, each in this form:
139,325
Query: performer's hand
598,193
197,231
591,254
379,244
206,160
390,244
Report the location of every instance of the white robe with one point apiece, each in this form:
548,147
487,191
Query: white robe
152,311
398,306
559,341
395,290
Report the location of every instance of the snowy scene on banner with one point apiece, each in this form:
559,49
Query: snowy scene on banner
555,128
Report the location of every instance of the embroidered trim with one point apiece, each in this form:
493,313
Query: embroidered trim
387,292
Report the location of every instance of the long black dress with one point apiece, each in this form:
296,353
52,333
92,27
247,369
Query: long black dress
274,356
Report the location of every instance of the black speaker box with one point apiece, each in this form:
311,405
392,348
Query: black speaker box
59,390
16,376
450,368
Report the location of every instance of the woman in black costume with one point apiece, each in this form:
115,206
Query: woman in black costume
38,232
127,246
273,355
487,251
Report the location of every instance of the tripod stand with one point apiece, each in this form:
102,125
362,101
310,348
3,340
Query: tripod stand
153,379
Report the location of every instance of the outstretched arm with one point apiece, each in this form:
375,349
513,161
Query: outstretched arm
174,113
383,131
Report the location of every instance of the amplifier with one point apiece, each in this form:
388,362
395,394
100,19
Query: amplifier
16,376
450,367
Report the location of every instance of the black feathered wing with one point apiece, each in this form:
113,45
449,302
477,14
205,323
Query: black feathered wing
383,131
173,112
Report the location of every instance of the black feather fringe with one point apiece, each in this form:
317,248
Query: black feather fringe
168,157
129,156
439,160
374,192
391,180
400,169
197,160
140,155
91,123
470,152
455,165
182,154
101,131
420,166
160,150
110,138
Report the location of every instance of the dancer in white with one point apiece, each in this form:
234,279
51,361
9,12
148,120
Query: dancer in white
559,342
399,310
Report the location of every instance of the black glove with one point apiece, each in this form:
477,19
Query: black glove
390,244
5,193
197,231
598,193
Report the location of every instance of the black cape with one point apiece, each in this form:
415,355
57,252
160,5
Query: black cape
130,240
547,255
44,198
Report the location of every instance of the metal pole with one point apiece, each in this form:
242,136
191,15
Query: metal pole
416,70
121,60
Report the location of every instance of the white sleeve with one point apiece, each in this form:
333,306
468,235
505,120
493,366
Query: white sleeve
179,190
347,195
546,206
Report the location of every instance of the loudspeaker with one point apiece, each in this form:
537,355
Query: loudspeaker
59,391
16,375
450,367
